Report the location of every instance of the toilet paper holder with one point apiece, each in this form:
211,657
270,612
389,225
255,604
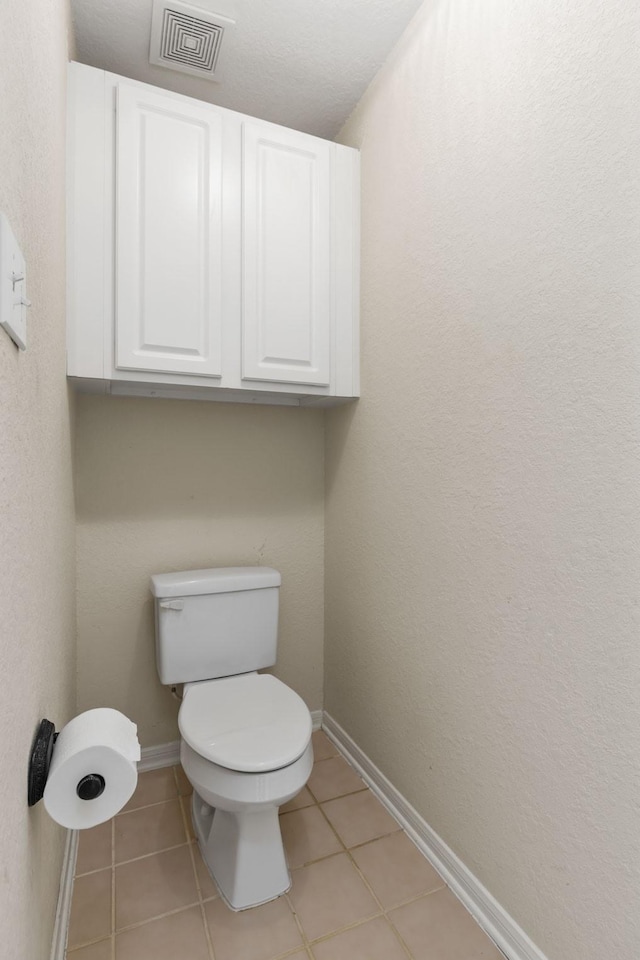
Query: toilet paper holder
89,787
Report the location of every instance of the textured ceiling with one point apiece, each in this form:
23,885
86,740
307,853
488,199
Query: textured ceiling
302,63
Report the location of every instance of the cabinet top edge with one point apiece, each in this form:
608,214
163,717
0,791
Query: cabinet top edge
77,68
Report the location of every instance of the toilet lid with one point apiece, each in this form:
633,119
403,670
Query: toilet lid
250,723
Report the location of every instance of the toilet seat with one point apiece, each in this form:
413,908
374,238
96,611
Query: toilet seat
251,723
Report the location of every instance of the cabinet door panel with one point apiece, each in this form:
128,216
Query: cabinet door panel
286,307
168,243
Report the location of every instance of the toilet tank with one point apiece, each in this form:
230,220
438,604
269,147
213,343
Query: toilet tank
215,623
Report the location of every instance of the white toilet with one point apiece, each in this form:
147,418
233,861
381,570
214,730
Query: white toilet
246,737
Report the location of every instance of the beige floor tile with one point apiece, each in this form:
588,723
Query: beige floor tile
322,746
333,778
208,888
307,836
90,908
438,927
149,830
153,886
359,817
179,935
184,785
261,933
374,940
302,799
95,951
94,849
329,895
154,786
396,869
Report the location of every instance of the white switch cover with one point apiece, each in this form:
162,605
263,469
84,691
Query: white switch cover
13,297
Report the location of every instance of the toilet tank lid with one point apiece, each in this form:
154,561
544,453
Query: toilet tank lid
193,583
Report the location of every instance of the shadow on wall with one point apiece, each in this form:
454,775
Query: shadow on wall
143,665
138,458
339,421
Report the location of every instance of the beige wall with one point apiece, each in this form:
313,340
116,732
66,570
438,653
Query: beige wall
36,498
483,519
172,485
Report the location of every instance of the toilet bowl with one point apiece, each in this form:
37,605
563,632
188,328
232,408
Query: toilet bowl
246,736
246,749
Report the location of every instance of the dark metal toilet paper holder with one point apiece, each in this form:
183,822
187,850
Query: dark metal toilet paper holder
88,787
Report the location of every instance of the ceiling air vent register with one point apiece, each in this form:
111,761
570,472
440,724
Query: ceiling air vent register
187,38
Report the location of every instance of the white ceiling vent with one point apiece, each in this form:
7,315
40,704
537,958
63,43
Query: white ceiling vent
187,38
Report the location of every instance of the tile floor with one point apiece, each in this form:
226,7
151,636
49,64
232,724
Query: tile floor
361,890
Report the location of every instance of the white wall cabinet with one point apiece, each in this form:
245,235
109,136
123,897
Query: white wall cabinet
286,256
168,315
211,255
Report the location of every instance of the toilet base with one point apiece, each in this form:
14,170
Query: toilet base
243,852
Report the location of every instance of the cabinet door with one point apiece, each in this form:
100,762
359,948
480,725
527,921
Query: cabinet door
286,278
168,243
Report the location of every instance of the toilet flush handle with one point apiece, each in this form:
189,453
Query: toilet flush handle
172,604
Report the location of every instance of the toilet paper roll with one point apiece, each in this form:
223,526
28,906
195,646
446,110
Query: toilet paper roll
93,770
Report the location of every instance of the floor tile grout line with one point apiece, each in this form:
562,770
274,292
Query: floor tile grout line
376,900
174,770
311,863
87,943
331,745
333,829
382,914
379,902
112,912
159,916
320,804
366,883
307,806
185,825
143,923
186,817
137,924
122,863
184,809
383,836
201,903
145,856
155,803
385,912
339,796
184,813
357,846
345,929
297,920
207,931
146,806
398,936
291,952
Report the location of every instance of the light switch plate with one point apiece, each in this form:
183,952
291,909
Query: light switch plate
13,297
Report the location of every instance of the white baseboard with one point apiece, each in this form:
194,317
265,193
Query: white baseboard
63,909
494,920
168,754
162,755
